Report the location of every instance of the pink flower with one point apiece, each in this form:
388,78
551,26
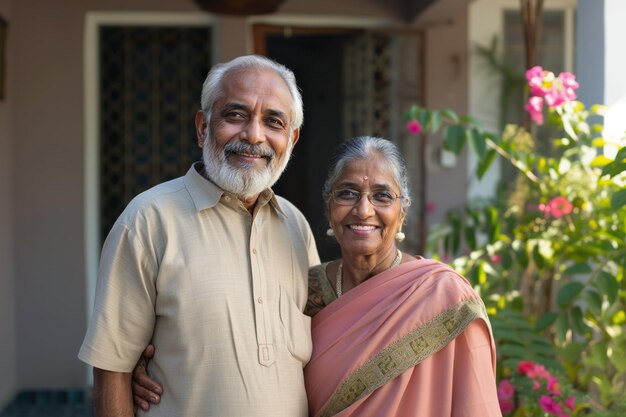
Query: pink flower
559,207
524,366
554,98
507,405
505,389
535,77
570,403
535,109
549,405
553,386
414,127
430,207
570,85
538,371
495,259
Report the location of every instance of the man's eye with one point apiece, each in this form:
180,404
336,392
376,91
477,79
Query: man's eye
275,122
234,115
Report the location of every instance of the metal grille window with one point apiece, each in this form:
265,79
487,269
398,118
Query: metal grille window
150,84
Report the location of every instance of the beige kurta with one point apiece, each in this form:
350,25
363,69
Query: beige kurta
219,292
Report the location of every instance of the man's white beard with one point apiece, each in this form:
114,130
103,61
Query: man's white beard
245,181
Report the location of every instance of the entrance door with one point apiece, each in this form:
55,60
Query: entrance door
351,82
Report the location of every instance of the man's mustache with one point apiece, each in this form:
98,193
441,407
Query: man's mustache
248,149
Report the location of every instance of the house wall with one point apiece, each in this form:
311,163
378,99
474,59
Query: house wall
8,346
446,86
43,299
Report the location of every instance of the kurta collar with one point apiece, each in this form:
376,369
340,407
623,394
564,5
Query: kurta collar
205,194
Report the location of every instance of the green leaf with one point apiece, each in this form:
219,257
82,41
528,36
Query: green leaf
562,326
618,359
477,142
512,350
579,268
485,163
493,227
435,121
454,138
568,293
470,237
608,285
578,325
538,257
600,161
618,200
546,320
614,168
594,302
450,115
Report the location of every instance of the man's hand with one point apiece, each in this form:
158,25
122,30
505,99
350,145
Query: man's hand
145,389
112,394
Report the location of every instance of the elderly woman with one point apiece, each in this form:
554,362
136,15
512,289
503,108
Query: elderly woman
393,334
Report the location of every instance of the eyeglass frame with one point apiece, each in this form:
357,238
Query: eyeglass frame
368,194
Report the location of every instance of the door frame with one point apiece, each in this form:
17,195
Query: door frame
91,99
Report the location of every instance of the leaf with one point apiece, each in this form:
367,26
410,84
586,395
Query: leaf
600,161
562,326
594,302
578,325
538,257
546,320
608,285
477,142
568,293
454,138
618,200
470,237
614,168
450,115
485,163
435,121
493,227
579,268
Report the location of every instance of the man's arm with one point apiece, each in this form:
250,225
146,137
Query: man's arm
112,393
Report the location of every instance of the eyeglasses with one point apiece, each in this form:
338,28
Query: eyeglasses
348,197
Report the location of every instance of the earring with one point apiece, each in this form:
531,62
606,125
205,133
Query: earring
400,236
330,232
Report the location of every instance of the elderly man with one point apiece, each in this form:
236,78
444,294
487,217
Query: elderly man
211,267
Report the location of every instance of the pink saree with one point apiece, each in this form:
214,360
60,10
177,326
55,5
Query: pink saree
412,341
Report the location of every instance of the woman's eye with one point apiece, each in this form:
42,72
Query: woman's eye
382,196
348,194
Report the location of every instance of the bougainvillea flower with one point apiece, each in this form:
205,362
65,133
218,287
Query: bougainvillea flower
570,403
495,259
538,371
549,405
524,366
535,109
505,389
559,207
554,386
507,405
414,127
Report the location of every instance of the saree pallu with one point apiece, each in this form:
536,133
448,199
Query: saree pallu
412,341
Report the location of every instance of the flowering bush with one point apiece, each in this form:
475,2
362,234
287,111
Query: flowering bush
549,254
534,391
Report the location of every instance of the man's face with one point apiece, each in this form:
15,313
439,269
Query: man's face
249,139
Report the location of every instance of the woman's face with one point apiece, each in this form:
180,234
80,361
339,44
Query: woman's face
363,228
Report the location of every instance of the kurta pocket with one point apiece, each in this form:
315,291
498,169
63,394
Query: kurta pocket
297,328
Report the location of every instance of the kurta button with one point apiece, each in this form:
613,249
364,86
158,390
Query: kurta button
260,300
254,251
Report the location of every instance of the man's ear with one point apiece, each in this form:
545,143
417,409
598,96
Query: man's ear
295,135
201,127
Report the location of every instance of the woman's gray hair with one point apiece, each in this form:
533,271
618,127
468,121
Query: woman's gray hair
363,147
212,87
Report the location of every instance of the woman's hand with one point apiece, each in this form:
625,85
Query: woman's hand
145,389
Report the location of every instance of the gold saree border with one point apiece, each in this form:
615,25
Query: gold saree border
404,353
